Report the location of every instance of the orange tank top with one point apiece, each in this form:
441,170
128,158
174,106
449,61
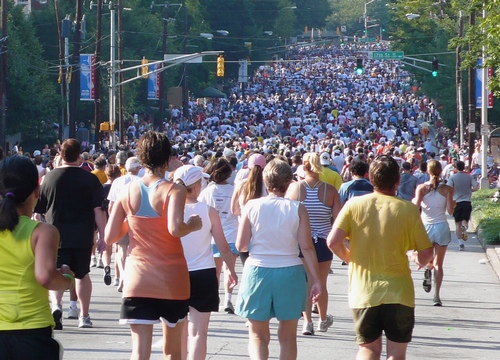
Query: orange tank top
156,266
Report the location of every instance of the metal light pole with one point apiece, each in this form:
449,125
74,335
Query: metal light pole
484,119
460,106
185,88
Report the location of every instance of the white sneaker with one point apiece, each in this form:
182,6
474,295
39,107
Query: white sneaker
308,328
84,322
73,313
324,325
116,281
100,265
93,261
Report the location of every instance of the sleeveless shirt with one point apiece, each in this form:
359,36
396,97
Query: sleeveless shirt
24,303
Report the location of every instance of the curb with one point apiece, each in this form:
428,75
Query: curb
492,253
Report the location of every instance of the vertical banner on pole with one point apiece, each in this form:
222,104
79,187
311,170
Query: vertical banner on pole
87,77
154,83
479,85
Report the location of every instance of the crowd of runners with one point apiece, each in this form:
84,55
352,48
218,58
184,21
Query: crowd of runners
277,174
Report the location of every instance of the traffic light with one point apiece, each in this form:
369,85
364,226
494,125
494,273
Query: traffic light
435,67
220,65
145,68
359,66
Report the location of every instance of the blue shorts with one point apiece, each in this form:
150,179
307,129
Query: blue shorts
217,252
439,233
323,252
272,292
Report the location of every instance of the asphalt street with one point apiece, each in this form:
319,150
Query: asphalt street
467,326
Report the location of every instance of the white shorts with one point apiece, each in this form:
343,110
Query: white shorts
439,233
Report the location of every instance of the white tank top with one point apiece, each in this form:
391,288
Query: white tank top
433,208
197,244
274,223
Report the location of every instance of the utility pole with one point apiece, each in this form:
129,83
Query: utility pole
460,106
3,75
472,97
97,77
75,76
185,87
119,51
162,73
112,76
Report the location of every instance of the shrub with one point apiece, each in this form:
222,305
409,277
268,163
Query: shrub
486,216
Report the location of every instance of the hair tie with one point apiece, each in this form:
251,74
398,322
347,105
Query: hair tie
11,195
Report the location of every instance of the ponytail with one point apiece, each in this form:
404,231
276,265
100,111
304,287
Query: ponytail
434,169
253,186
9,217
18,180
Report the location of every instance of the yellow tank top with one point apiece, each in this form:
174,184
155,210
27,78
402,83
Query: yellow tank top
24,303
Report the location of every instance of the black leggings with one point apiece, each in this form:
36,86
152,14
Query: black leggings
34,344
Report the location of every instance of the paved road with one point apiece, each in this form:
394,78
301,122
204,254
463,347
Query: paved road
466,327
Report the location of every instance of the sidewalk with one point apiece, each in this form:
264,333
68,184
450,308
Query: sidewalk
466,327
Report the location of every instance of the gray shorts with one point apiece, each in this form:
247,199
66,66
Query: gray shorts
439,233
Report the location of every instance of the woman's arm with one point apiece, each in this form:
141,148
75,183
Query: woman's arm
235,203
419,195
222,245
116,227
176,225
450,203
45,242
244,234
333,200
309,253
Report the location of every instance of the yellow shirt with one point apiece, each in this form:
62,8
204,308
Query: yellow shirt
381,230
330,177
24,303
101,175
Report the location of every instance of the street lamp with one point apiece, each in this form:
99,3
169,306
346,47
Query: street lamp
365,17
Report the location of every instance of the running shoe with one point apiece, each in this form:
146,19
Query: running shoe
229,308
315,309
308,328
465,236
84,322
93,261
57,315
100,265
116,281
461,247
107,275
427,284
437,301
325,324
73,313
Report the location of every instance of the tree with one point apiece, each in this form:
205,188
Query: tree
31,97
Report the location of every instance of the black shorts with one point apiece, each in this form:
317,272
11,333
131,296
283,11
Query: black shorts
34,344
77,259
462,211
204,290
322,251
396,320
148,311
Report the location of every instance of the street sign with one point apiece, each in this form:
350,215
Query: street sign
386,55
365,40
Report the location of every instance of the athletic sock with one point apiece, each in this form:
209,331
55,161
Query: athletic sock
72,304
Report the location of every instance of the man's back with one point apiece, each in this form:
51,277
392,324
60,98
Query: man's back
381,229
68,198
407,185
462,184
